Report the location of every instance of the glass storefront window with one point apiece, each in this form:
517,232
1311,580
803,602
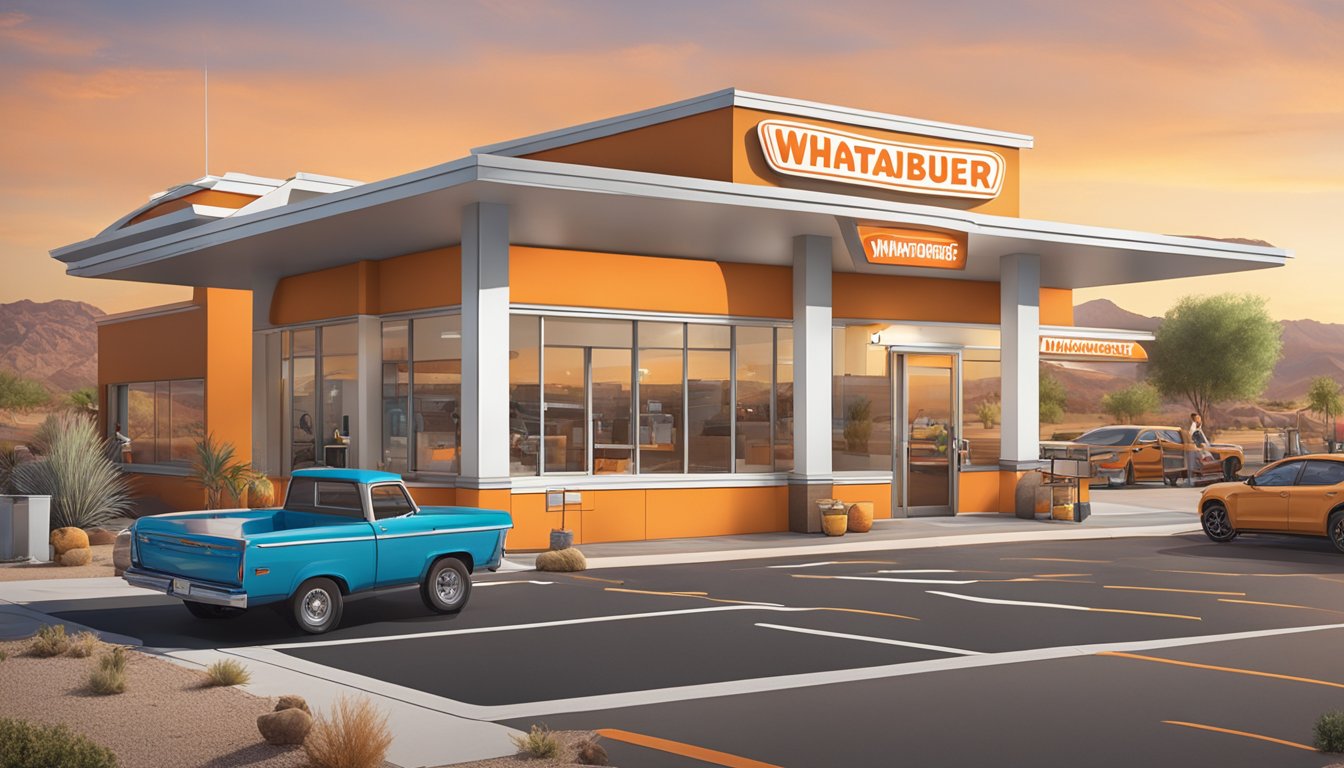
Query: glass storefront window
783,399
982,410
662,380
396,396
613,450
755,358
436,389
340,383
566,448
524,394
186,418
163,419
861,429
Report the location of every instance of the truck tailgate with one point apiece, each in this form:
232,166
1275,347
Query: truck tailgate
169,547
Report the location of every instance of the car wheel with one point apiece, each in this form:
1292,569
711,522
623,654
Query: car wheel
1129,473
209,611
1230,469
316,606
447,586
1336,530
1217,524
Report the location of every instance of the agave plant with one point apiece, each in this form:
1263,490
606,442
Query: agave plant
219,472
72,467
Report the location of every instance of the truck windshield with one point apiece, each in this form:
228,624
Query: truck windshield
330,497
1109,436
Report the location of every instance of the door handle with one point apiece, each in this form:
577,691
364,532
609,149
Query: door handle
1332,493
382,528
1284,494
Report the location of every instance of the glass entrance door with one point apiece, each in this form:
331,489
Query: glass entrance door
925,410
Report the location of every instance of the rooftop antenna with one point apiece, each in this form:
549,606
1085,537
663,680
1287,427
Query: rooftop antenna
207,110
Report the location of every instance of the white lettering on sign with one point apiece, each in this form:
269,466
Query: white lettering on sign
1090,348
913,247
799,149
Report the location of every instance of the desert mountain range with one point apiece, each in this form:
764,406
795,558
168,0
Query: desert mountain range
56,342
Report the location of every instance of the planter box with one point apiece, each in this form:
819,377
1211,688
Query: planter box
25,527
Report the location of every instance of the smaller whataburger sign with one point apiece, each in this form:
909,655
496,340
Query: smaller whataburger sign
799,149
913,248
1092,349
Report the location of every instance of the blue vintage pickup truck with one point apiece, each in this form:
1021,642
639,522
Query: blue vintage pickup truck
340,531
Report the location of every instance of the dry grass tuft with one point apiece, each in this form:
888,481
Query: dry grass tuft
539,742
227,672
354,734
50,640
110,675
562,560
82,645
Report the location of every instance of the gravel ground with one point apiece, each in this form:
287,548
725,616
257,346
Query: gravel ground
101,566
568,742
165,719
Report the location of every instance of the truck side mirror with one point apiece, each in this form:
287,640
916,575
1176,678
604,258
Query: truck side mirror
1251,481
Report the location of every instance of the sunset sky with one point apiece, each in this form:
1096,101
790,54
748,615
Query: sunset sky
1180,117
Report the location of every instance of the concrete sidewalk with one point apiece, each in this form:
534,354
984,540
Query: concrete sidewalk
1116,513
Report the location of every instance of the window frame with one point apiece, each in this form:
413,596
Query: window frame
1307,464
1300,463
373,505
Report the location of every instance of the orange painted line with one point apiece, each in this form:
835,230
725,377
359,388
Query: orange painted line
1059,575
1248,735
867,613
711,756
1233,670
594,578
1277,605
1184,591
1147,613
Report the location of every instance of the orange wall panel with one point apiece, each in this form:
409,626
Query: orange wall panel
337,292
699,146
681,512
897,297
750,166
879,494
978,492
1056,306
616,515
228,368
420,280
182,494
157,348
531,524
650,283
210,197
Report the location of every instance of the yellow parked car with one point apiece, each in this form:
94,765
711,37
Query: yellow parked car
1302,495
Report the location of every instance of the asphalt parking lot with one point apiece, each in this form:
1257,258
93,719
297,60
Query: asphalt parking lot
1043,653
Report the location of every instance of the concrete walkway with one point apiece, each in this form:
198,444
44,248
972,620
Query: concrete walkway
1116,513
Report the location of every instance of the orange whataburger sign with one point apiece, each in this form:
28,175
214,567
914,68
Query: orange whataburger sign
913,248
811,151
1092,349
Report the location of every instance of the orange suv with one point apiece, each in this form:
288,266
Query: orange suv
1302,495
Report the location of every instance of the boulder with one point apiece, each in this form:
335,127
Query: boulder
74,557
66,539
121,553
292,702
288,726
591,753
100,536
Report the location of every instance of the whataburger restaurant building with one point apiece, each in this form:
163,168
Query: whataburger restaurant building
698,319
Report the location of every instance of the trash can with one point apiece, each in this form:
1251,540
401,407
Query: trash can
25,526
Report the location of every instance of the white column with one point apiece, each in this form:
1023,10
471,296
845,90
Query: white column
811,477
1019,334
366,439
485,346
266,450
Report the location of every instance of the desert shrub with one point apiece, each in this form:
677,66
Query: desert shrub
50,640
1052,396
85,487
25,745
561,560
539,742
109,676
988,414
1329,732
590,752
82,645
354,734
3,655
227,672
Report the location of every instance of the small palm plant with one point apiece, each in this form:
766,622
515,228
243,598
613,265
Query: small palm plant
219,472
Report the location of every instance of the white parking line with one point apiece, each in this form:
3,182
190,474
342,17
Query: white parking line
498,583
1022,603
867,639
923,570
891,580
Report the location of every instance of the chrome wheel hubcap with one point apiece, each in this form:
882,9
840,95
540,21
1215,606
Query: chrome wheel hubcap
316,606
448,586
1216,521
1339,531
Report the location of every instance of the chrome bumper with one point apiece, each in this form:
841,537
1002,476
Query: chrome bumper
197,591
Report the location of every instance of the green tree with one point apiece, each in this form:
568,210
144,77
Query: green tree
1052,398
84,400
20,394
1128,405
1213,349
1323,398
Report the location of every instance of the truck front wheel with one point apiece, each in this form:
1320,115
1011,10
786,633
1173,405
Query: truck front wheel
315,607
447,586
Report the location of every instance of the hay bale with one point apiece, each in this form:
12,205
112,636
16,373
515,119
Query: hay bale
66,539
77,557
562,561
